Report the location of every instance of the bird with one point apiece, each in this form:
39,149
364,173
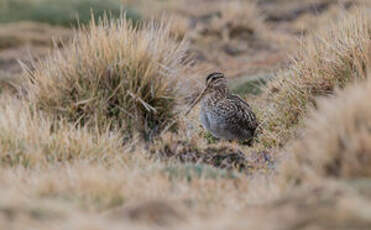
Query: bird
225,115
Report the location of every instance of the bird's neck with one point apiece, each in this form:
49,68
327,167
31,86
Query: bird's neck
215,96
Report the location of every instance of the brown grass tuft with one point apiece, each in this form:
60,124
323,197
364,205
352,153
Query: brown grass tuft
235,19
322,206
114,75
337,140
327,60
29,138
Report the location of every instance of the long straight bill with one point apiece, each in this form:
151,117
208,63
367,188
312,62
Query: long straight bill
196,101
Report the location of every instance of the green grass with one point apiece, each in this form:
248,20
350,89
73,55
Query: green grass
64,13
250,85
192,171
210,138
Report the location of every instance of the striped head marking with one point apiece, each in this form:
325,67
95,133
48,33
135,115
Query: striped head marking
213,77
216,80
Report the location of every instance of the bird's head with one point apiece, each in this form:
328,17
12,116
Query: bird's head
214,82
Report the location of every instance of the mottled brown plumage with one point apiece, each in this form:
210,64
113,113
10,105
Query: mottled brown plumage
223,114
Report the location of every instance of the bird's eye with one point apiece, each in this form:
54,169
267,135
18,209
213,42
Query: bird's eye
213,77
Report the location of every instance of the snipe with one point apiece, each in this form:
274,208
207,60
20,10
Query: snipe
225,115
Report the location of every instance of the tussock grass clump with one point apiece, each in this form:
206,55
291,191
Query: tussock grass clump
230,22
114,75
323,206
30,138
235,19
337,140
333,58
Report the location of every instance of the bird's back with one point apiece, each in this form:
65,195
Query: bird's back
244,115
229,117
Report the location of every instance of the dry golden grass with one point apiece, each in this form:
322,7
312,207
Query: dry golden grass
98,188
331,58
29,138
337,206
113,76
336,140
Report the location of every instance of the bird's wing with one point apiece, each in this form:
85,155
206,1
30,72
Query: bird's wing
243,112
239,99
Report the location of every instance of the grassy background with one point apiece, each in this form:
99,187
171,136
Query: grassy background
65,13
309,168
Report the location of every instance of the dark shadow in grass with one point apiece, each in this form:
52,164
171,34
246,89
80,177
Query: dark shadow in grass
225,158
